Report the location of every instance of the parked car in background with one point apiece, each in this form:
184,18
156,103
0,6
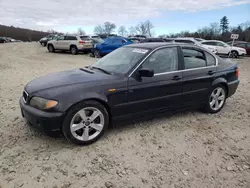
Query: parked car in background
199,39
245,45
72,43
236,41
110,44
152,40
224,48
43,41
193,41
3,40
135,39
135,80
104,36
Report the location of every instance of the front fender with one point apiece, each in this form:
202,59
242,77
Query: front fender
70,95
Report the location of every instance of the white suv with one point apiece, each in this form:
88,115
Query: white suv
225,49
195,42
72,43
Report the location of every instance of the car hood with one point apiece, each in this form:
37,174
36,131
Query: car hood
75,76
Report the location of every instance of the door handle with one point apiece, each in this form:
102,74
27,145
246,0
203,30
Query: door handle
210,72
176,78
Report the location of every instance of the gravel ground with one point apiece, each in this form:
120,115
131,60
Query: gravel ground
188,149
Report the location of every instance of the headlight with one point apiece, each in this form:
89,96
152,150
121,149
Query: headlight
42,103
95,46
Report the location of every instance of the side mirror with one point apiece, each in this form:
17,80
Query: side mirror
144,72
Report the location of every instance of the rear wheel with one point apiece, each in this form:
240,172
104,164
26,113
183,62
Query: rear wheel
216,99
85,123
51,48
73,50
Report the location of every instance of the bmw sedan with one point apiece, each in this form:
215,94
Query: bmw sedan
134,80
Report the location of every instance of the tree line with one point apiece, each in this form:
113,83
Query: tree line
215,31
23,34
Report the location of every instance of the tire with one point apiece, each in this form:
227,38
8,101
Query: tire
234,54
210,106
43,44
73,50
97,54
85,123
51,48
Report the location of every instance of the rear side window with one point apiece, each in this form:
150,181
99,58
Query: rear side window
193,58
185,41
163,60
70,38
210,59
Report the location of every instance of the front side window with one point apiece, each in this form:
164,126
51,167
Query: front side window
193,58
60,38
209,43
219,44
163,60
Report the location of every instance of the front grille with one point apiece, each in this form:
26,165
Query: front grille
25,96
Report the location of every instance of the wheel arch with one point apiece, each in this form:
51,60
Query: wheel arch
221,81
100,100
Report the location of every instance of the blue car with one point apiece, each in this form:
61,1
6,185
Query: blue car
109,45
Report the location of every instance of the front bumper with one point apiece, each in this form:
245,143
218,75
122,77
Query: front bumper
44,121
232,87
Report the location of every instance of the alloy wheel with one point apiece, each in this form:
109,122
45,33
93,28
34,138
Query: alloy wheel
217,98
97,54
87,124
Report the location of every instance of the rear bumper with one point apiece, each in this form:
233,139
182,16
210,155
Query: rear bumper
44,121
232,87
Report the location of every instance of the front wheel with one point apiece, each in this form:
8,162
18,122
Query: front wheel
51,48
97,54
216,99
233,54
85,123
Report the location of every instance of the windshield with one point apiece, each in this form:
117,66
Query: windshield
121,60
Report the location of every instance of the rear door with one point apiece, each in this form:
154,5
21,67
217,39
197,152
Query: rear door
198,74
68,40
163,90
248,48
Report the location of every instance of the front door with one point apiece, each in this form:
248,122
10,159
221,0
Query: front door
163,90
198,75
58,42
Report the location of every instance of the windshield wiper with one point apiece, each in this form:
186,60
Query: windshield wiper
98,68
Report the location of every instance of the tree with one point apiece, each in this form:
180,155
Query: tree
106,28
109,27
81,31
122,31
132,30
214,30
224,24
98,29
144,28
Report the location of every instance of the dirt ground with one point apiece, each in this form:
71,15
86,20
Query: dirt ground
188,149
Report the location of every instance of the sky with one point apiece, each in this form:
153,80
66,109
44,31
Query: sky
167,16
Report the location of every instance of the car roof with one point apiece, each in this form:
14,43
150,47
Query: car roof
154,45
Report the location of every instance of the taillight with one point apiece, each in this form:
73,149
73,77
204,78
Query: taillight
237,72
81,42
